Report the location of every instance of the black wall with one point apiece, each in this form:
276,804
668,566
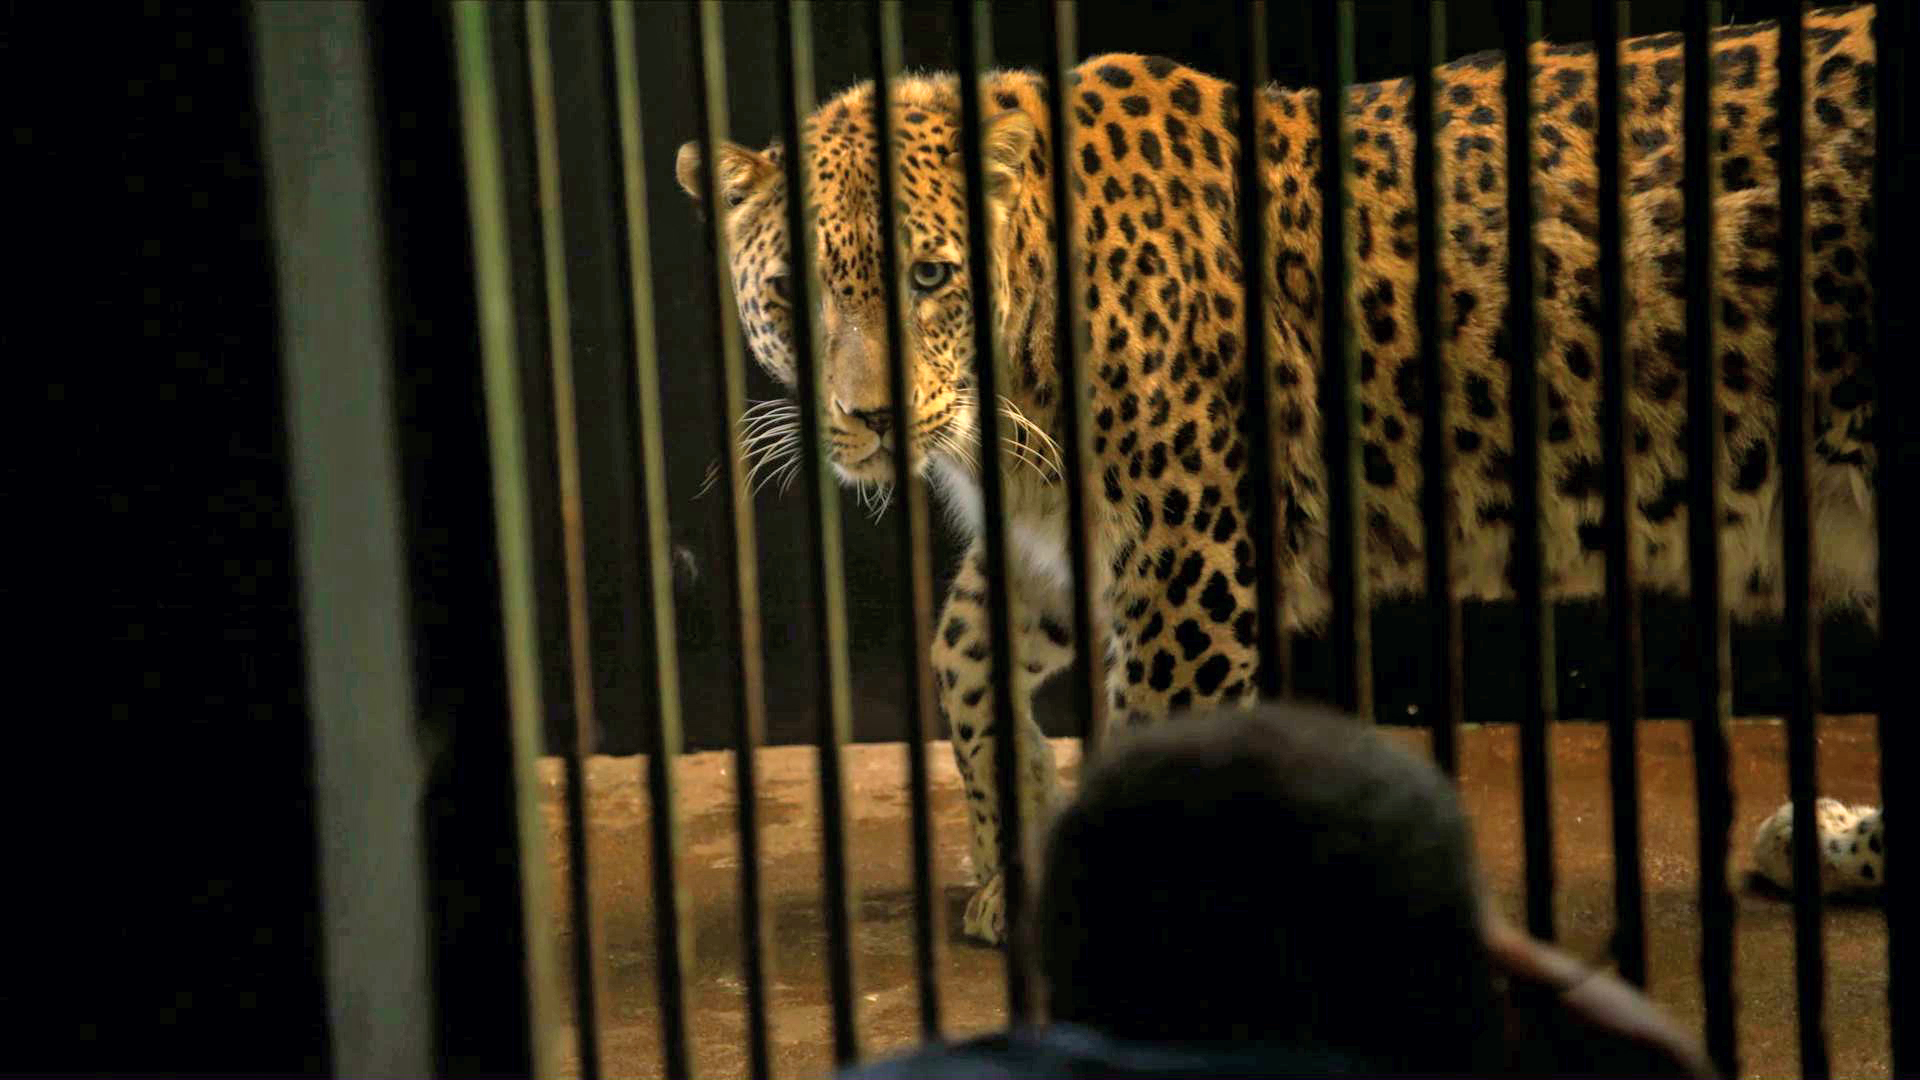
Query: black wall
174,900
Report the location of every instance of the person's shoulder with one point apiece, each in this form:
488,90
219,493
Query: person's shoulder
1066,1051
987,1058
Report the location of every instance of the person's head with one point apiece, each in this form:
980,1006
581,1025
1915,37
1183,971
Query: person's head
1287,874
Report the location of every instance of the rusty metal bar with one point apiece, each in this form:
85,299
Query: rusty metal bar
1429,19
1897,462
1520,27
527,1044
641,394
976,53
922,705
1802,659
579,723
1711,661
1090,629
1624,699
1347,631
519,181
741,596
336,339
793,64
1263,523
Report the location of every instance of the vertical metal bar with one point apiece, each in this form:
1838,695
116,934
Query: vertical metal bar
1263,523
1624,694
1897,461
1071,333
1436,500
337,341
580,721
1712,780
976,52
1803,641
742,591
643,401
492,259
1340,401
794,69
513,97
1520,26
922,704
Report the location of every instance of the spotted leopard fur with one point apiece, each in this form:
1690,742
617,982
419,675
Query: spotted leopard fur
1153,168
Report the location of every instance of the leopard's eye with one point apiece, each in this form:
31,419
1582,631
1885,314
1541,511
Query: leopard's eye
928,275
782,286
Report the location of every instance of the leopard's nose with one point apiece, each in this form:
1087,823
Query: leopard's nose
879,421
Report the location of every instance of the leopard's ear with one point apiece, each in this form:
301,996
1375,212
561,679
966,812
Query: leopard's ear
1008,139
742,171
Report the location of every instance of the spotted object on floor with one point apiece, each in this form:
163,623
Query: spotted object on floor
1852,848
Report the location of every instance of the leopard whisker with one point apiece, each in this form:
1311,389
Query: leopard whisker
782,434
1025,456
770,461
957,447
1045,451
789,473
707,482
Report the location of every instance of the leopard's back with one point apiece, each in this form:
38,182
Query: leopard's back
1476,356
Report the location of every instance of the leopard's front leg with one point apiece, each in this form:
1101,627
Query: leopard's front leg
1184,625
961,664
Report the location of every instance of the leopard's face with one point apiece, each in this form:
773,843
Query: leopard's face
850,326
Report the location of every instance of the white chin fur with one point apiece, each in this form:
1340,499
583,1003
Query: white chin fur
1038,545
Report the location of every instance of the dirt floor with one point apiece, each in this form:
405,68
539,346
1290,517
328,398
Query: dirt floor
971,978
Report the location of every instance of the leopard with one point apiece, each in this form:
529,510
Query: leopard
1152,148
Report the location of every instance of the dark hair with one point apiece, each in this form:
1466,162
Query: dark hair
1286,875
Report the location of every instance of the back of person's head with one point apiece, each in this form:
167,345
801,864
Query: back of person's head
1284,875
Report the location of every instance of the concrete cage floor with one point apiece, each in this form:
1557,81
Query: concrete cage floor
971,977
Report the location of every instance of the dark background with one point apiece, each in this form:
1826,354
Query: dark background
182,924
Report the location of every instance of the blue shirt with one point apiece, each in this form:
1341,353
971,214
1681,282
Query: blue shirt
1063,1050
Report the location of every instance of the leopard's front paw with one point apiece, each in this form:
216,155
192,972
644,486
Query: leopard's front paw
986,917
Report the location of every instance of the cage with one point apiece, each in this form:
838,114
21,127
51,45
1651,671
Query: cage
700,820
